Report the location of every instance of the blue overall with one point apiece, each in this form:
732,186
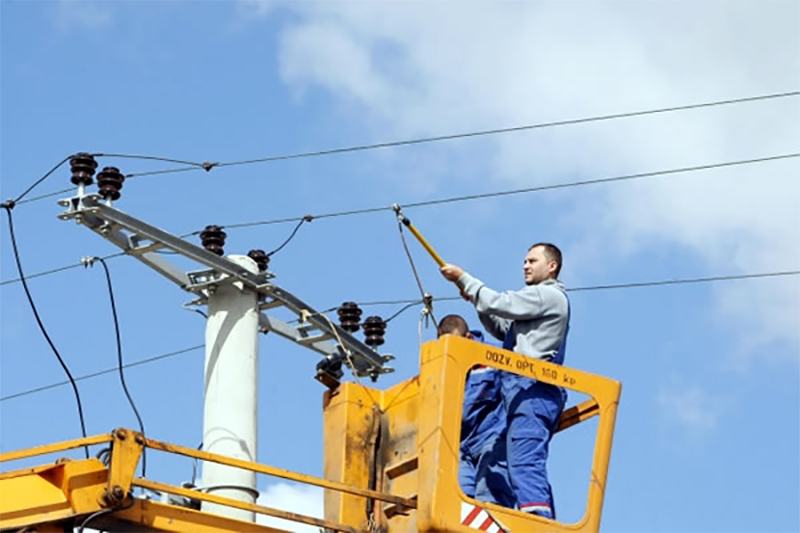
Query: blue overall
483,469
533,410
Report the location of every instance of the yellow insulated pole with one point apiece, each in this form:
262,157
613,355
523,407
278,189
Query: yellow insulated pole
407,223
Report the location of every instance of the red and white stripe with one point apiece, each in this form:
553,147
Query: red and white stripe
478,518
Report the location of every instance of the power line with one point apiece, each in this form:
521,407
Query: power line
480,133
411,302
102,372
56,270
454,199
423,140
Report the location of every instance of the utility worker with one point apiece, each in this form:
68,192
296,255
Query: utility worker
533,321
483,468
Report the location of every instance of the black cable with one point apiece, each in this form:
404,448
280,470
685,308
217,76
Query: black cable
119,360
208,166
41,325
102,372
40,180
105,512
307,218
199,312
407,306
194,465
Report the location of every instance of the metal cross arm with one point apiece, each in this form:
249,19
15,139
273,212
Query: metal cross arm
110,223
365,359
142,241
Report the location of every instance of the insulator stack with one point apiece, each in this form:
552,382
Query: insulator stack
374,329
213,239
109,181
349,316
83,166
260,257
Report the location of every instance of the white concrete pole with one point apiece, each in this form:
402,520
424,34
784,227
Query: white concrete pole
231,392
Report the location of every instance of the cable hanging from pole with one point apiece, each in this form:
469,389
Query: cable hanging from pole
89,261
41,324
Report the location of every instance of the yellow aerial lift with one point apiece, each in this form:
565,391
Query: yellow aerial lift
391,456
390,462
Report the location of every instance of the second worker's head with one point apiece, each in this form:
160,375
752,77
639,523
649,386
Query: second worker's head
453,325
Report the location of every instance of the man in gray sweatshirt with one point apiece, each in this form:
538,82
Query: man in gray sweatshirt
533,321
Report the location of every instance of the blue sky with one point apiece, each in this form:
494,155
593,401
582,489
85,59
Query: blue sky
708,433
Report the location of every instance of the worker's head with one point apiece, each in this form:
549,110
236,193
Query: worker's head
454,325
542,262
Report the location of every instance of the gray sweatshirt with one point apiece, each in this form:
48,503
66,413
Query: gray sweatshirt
538,314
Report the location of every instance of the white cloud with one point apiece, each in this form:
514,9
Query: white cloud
80,15
257,8
301,499
427,68
691,408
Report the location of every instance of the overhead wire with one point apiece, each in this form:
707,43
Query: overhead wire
411,302
496,131
41,324
526,190
119,356
103,372
190,165
453,199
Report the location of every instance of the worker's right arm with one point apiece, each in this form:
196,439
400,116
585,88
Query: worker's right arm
495,326
531,302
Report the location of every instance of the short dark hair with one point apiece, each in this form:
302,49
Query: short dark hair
552,253
453,325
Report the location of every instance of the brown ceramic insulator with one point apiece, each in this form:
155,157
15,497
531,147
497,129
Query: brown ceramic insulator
83,167
213,239
260,257
109,182
374,329
349,316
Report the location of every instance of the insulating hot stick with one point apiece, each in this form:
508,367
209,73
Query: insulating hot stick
407,223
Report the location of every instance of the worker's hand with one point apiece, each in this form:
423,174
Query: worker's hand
451,272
